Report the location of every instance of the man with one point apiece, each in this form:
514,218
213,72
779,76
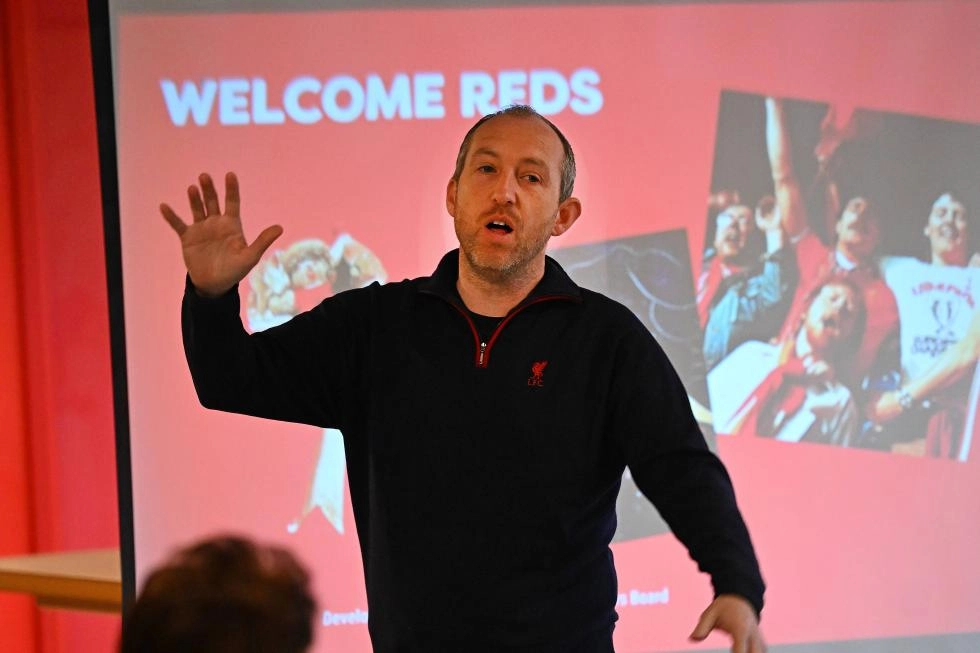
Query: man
852,257
939,342
223,595
488,412
789,391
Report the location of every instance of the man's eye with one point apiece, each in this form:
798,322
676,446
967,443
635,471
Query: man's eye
485,168
534,179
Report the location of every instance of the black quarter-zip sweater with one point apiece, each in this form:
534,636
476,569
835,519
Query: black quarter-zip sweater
484,476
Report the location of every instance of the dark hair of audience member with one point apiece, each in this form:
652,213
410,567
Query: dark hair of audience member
223,595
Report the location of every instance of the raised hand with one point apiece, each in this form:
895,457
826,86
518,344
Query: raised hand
215,251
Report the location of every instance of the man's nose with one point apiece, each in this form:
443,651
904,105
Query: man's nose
505,189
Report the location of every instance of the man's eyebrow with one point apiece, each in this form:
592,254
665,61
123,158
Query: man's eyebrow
535,162
486,151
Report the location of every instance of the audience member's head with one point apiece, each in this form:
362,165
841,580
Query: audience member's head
223,595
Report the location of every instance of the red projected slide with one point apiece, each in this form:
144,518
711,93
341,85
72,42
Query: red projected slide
785,194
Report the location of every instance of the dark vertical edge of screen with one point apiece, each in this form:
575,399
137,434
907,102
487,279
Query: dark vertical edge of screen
100,36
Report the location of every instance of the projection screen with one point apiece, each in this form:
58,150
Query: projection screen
343,122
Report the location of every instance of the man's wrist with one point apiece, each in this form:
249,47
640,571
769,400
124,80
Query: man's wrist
205,296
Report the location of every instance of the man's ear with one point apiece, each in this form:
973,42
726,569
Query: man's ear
568,213
451,197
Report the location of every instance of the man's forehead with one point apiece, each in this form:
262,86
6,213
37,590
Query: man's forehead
531,134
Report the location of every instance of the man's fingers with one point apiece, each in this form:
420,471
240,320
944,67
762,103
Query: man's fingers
210,195
197,206
266,238
733,615
173,219
232,201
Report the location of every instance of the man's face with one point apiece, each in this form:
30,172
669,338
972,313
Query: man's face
857,230
831,316
732,228
505,204
947,231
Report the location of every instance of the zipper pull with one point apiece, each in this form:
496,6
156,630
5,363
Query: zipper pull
483,348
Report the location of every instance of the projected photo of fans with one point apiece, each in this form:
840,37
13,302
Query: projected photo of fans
294,279
650,274
837,292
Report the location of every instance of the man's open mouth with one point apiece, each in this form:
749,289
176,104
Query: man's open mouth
499,226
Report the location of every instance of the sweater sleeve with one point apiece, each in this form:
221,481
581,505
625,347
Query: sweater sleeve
673,467
298,372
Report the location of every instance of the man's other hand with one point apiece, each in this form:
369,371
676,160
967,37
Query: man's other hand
735,616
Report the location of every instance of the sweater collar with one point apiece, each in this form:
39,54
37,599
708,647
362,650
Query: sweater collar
554,284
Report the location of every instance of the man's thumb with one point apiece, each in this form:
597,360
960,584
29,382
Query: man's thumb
266,238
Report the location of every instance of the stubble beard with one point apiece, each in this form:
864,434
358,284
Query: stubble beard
504,267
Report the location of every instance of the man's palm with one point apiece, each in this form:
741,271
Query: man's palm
215,251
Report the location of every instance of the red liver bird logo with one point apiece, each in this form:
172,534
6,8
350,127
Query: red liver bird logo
537,374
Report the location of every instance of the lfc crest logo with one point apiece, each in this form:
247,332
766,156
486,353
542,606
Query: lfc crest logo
537,374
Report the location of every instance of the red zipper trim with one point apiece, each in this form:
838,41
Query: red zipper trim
481,357
503,323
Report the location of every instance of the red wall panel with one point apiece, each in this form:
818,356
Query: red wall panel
57,416
18,622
